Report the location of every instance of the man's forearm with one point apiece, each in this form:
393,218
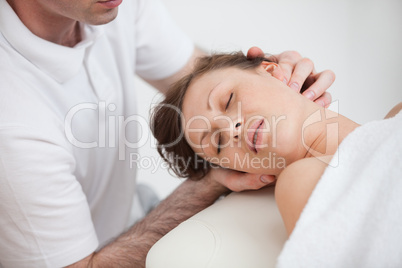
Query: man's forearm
130,249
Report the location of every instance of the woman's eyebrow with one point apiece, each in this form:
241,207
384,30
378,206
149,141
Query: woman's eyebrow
209,96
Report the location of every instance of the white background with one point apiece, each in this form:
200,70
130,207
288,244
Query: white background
361,41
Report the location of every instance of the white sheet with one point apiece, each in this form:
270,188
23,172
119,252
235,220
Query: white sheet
354,215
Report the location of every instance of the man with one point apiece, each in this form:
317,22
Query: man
67,128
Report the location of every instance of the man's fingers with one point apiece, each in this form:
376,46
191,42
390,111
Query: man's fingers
254,52
301,72
322,82
325,100
239,181
246,181
287,61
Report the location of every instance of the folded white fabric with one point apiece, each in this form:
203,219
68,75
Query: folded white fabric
354,215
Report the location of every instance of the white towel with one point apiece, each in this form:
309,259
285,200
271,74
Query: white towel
354,215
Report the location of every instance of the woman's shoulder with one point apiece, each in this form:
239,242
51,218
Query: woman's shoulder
394,111
306,168
295,185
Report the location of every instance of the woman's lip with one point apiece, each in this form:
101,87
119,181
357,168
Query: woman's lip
258,125
110,3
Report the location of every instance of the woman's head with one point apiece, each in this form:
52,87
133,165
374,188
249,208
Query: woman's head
230,111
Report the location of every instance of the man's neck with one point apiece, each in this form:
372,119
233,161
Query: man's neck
53,28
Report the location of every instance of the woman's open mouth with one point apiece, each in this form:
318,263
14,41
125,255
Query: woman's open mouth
254,135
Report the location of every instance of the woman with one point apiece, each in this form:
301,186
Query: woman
233,112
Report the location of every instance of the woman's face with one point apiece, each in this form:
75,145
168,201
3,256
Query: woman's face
245,120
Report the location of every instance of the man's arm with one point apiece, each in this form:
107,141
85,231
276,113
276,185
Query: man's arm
130,248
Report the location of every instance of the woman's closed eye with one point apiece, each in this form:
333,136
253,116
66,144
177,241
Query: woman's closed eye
218,149
230,98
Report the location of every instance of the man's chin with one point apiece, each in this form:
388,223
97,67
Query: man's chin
102,19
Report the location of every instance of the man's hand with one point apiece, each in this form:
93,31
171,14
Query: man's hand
239,181
299,74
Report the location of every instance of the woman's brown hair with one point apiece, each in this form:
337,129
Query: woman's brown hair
166,118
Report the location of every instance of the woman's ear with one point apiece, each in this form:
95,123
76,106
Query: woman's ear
274,69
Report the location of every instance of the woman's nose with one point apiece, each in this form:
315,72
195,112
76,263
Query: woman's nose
237,131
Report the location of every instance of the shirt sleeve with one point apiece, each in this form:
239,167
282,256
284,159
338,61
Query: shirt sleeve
162,49
45,218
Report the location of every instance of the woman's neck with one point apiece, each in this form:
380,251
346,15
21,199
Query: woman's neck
326,134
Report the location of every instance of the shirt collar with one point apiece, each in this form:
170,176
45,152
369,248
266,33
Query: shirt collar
59,62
